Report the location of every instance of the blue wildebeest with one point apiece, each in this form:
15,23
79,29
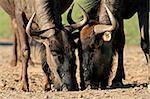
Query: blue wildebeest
101,38
58,50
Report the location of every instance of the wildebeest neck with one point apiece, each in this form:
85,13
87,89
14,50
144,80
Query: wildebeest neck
48,13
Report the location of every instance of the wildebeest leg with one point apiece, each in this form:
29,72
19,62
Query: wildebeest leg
19,47
143,15
52,65
86,71
117,81
45,68
74,86
143,23
16,46
82,83
104,83
120,74
14,30
25,51
47,76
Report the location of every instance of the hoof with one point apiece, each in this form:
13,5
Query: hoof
117,84
53,89
47,87
88,88
24,87
65,89
57,86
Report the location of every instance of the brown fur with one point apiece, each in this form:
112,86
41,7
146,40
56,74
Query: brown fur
96,56
48,15
86,31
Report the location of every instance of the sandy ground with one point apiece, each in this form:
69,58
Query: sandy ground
135,69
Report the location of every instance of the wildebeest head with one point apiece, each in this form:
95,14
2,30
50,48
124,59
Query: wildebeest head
97,49
60,51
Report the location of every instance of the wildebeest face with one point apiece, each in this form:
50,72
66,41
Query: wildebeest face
66,61
96,58
91,49
60,52
97,49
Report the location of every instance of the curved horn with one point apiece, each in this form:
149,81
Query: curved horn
112,19
103,28
28,27
36,32
79,24
69,19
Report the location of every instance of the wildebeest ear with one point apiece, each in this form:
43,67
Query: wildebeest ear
98,29
103,29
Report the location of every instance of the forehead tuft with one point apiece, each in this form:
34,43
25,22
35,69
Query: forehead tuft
87,30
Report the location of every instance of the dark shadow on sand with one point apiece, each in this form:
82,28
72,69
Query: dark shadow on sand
6,43
143,85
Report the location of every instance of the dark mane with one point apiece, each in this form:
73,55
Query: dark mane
48,13
52,7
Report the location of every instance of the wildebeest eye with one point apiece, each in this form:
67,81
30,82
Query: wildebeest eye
100,43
